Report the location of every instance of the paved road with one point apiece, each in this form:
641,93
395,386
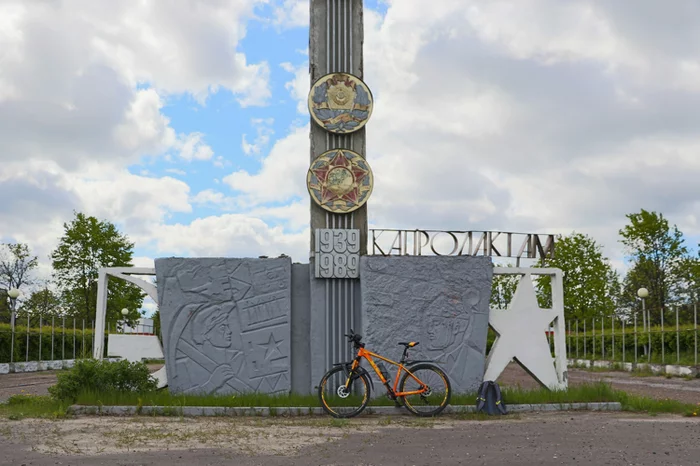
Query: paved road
542,440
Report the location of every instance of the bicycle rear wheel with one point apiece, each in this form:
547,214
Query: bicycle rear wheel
340,399
432,401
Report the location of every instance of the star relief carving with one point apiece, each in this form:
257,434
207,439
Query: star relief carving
521,336
340,179
272,348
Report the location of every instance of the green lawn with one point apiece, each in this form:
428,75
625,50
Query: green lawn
33,406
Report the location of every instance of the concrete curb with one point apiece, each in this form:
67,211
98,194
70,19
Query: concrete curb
40,366
190,411
660,369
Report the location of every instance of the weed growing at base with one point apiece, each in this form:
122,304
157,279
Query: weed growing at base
22,406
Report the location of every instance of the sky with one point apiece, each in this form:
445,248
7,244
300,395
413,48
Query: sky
185,123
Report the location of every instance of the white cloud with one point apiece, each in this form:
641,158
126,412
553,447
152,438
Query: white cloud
191,147
281,175
262,138
299,86
292,13
176,171
535,115
230,235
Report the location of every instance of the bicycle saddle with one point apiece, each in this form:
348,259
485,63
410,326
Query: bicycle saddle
409,344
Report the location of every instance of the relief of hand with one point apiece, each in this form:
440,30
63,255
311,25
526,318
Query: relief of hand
219,377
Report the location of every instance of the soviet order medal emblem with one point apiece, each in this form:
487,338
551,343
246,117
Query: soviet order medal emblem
340,180
340,103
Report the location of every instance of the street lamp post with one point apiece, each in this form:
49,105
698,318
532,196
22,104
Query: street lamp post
643,293
125,312
13,294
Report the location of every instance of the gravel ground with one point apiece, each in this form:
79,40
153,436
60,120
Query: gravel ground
541,439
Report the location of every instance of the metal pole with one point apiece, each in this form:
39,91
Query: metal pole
593,337
82,348
644,322
602,338
74,338
41,334
12,343
27,356
623,342
576,338
63,342
635,338
612,324
663,343
649,330
695,314
568,340
53,333
678,339
585,354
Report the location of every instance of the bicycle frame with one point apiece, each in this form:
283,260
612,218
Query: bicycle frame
368,355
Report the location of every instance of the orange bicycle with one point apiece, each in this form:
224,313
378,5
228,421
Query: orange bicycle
345,390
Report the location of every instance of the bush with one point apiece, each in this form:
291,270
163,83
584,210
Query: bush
100,376
66,343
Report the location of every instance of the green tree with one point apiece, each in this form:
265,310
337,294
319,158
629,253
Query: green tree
43,303
657,253
87,245
503,289
591,285
16,267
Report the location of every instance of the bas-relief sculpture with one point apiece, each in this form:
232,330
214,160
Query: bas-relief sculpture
441,302
226,324
340,103
340,181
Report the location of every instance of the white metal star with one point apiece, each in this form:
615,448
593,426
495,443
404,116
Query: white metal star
521,336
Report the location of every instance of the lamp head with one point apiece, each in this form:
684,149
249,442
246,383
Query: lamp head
642,293
13,293
125,312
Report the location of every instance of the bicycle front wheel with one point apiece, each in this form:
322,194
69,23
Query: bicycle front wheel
340,398
434,398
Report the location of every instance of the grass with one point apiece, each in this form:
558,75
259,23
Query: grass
28,406
22,406
596,392
154,361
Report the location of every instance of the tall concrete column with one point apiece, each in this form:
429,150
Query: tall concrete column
335,45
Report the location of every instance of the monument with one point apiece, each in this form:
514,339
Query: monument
233,325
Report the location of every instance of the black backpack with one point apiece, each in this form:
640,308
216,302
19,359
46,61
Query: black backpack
489,399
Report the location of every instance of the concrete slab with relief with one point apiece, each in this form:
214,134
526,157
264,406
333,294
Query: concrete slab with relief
441,302
225,324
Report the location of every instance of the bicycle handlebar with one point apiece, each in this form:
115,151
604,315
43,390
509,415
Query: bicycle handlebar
354,338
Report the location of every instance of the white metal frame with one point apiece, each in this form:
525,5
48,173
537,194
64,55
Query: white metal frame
509,348
125,273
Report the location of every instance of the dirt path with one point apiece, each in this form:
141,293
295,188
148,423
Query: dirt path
542,439
687,391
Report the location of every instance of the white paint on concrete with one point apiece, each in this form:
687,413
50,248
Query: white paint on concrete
521,331
161,377
660,369
4,368
134,348
125,273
